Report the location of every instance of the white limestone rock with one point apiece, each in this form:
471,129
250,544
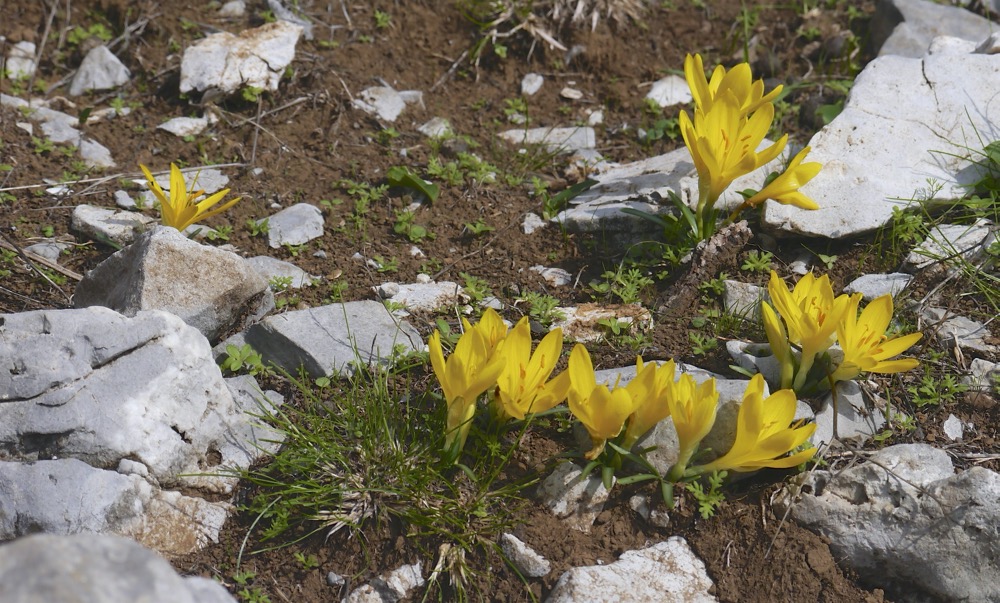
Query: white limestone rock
907,27
527,561
531,83
559,140
904,520
916,121
21,60
100,70
871,286
101,223
213,290
948,242
582,323
294,225
272,268
669,91
226,62
666,572
573,498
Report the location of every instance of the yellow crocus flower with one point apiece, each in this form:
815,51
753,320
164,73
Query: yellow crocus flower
522,387
649,394
777,338
764,433
469,371
692,407
491,326
811,314
785,188
601,410
865,346
181,209
737,80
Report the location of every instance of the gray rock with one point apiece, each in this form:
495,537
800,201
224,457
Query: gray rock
294,225
669,91
390,587
905,520
100,70
185,126
953,428
439,127
560,140
668,571
50,250
856,419
213,290
226,62
21,60
386,102
330,339
524,558
95,155
907,27
233,9
948,242
270,268
531,83
196,178
94,568
124,200
102,224
871,286
557,277
983,375
424,297
531,223
897,116
952,330
573,498
743,299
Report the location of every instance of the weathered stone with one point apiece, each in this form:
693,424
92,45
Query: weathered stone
561,140
226,62
295,225
213,290
871,286
93,568
527,561
907,27
668,571
103,224
574,498
100,70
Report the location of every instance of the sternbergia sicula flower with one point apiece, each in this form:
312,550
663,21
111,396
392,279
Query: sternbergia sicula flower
864,343
692,407
649,396
811,315
182,209
785,187
470,370
491,326
765,433
522,386
738,80
601,410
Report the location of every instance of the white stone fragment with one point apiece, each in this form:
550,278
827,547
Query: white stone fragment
669,91
21,60
438,127
953,428
531,83
185,126
570,93
557,277
532,222
571,497
527,561
871,286
226,62
100,70
562,140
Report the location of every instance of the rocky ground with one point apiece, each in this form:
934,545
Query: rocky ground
310,141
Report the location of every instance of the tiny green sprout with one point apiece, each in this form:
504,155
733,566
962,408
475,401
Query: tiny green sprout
257,227
479,227
243,358
702,344
221,233
42,145
251,94
308,562
757,261
382,19
280,283
476,288
500,50
405,226
543,308
295,250
709,501
386,265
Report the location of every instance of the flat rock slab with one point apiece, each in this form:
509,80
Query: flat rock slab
909,131
94,568
330,339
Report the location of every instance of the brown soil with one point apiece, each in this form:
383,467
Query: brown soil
307,140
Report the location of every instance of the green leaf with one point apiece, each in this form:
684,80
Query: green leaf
403,177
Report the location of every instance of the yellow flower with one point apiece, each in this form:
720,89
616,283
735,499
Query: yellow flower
491,326
723,144
811,314
522,386
785,188
737,80
764,433
468,372
601,411
648,391
777,338
692,407
865,346
181,209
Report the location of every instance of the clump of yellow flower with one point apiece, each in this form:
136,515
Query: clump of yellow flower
732,115
182,208
810,319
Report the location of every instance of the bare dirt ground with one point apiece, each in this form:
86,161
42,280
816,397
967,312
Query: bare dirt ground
305,142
